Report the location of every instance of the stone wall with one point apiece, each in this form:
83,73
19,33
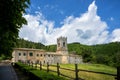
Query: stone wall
44,57
75,59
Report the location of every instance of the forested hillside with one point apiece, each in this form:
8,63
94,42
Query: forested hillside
21,43
108,54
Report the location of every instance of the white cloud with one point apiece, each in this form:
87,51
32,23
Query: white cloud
86,29
115,35
36,28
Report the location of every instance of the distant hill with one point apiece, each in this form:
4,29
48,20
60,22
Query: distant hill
21,43
108,54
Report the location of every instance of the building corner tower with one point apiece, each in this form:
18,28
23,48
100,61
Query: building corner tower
62,45
62,49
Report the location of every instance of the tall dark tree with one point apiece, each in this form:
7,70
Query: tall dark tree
11,20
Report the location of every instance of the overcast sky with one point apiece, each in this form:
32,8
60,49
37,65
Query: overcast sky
86,21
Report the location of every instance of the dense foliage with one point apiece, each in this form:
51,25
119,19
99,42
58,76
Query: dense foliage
21,43
51,48
11,20
107,54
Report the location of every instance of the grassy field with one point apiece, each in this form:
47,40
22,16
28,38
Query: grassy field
87,75
36,74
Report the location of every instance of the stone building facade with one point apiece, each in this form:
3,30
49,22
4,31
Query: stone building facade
38,55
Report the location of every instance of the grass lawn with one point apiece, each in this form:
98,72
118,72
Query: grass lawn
87,75
42,75
92,67
81,74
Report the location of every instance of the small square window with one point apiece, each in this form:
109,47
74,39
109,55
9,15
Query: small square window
31,54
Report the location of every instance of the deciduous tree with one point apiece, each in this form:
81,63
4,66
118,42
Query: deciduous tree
11,20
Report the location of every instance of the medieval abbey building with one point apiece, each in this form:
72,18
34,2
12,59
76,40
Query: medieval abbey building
36,55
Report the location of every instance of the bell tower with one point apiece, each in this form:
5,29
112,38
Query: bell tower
62,45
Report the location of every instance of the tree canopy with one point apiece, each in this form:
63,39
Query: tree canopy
21,43
11,20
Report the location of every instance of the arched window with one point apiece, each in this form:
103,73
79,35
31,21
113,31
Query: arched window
48,55
24,54
63,44
41,55
31,54
37,54
19,54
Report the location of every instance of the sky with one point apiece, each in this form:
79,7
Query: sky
88,22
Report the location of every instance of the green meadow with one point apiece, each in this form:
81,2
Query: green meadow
87,75
82,74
